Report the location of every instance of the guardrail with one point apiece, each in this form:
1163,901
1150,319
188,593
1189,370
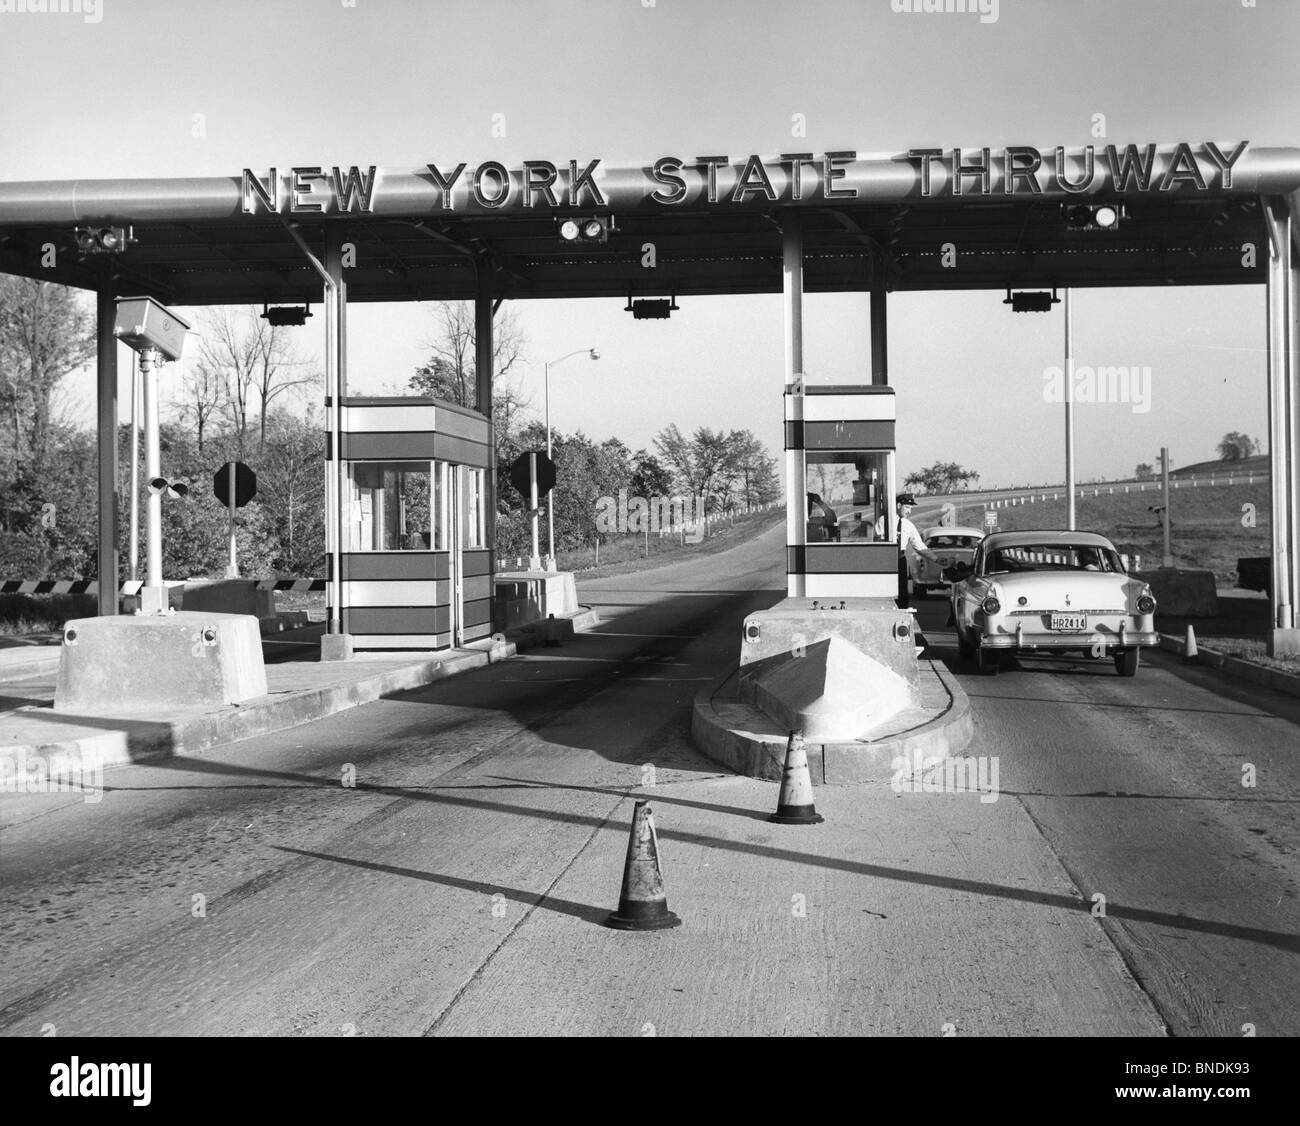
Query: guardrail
63,586
133,586
1097,488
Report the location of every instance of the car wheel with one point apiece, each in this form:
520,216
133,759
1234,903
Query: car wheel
987,662
1126,661
965,649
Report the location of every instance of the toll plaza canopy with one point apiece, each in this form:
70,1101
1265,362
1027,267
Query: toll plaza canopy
928,218
1183,213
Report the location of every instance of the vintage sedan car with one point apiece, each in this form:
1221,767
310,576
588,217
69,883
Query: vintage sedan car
952,545
1050,592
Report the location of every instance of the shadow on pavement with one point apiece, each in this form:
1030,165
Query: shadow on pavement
1282,940
583,911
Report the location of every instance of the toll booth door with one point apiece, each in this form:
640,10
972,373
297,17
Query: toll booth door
455,557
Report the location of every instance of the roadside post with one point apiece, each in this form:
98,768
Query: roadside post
533,474
1168,559
234,484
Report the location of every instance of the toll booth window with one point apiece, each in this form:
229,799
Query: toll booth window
441,502
848,495
474,512
391,506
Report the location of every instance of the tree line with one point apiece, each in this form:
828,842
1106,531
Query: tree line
247,394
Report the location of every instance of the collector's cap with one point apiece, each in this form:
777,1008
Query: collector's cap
906,498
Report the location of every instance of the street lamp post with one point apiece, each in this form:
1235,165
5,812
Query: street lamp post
1069,416
550,505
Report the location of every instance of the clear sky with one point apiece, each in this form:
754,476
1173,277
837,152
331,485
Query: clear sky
148,88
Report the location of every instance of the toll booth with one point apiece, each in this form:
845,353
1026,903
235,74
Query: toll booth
841,535
416,563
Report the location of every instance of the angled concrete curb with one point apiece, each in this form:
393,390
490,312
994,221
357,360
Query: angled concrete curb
745,739
1234,666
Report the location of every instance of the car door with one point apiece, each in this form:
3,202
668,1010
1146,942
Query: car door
963,599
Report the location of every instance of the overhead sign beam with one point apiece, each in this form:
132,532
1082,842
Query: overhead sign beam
447,188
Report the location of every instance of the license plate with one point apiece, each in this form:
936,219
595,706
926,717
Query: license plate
1068,621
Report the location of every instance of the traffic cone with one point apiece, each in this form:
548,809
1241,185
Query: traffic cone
1189,647
642,906
795,805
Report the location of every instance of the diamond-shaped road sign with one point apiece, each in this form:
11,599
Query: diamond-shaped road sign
245,484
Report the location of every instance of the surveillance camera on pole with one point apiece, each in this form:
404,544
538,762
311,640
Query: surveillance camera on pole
158,335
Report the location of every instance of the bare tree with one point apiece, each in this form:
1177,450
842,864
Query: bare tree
451,371
45,335
203,394
254,360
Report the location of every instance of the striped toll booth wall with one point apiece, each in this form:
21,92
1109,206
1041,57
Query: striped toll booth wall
403,595
851,421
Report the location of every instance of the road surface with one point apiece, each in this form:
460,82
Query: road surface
441,863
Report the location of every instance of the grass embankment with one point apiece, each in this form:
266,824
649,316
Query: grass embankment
1206,530
626,554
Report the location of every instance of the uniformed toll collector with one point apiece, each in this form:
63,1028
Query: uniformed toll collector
908,538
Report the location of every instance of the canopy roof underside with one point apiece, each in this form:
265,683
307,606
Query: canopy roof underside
1185,240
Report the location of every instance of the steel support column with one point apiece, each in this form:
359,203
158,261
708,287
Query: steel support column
106,380
484,361
879,330
1284,637
336,381
796,501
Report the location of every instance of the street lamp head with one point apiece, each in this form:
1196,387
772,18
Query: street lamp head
595,354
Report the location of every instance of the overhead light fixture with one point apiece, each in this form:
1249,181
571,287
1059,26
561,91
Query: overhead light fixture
594,229
286,315
651,308
1092,216
1031,302
104,240
1106,216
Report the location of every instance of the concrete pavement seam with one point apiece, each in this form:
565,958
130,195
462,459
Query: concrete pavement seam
481,968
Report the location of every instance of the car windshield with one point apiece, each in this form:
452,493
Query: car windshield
953,541
1052,557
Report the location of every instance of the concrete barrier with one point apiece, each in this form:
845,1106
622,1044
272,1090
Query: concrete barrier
875,626
146,662
1182,593
527,596
833,691
228,596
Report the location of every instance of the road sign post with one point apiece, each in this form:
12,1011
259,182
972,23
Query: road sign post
535,560
234,484
533,475
232,567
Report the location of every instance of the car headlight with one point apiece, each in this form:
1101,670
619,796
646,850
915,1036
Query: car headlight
1145,602
990,605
